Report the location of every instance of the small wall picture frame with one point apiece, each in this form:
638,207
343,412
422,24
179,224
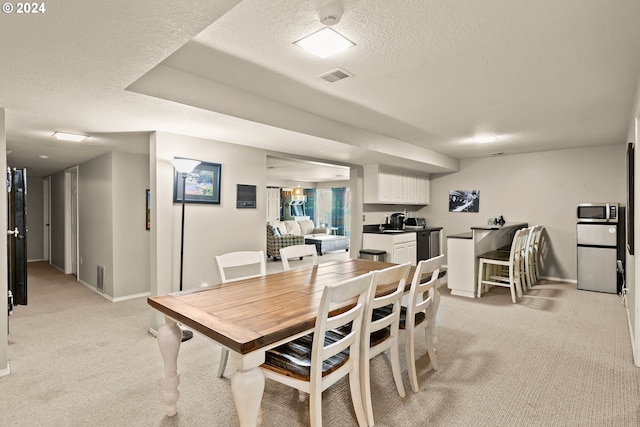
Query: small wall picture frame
246,196
148,220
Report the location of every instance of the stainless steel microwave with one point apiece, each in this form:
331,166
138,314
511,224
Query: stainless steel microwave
597,212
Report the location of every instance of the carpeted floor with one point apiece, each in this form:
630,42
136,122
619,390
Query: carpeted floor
561,357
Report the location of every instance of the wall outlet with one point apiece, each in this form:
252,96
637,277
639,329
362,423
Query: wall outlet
363,218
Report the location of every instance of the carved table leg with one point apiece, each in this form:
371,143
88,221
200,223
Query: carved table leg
169,338
247,386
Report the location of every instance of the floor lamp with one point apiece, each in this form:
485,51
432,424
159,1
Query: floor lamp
184,167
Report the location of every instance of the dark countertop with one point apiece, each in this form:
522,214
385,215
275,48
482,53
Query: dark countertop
506,226
468,235
500,227
375,229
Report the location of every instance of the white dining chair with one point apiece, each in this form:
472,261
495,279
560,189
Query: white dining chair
420,314
314,362
381,326
498,268
242,265
298,251
533,253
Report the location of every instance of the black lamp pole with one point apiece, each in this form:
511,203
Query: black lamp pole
184,167
184,186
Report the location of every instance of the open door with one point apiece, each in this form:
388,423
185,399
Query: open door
17,229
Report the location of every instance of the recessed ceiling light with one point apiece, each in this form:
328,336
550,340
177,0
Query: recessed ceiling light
482,139
64,136
324,43
43,156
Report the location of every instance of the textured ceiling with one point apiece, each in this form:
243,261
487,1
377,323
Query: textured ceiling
428,76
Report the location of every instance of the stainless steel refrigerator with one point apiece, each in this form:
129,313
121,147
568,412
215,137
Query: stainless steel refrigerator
598,251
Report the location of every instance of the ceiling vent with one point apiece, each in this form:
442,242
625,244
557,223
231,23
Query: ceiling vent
335,75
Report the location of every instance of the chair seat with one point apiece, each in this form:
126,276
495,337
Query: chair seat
496,255
381,312
294,358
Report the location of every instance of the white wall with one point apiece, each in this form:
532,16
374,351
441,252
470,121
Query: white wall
35,239
130,236
4,342
57,255
209,229
95,221
538,188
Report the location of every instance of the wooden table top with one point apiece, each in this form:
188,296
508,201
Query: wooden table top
253,313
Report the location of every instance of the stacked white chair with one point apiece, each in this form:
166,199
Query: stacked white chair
236,260
533,262
497,268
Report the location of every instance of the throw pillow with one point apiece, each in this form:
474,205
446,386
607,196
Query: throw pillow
306,226
293,228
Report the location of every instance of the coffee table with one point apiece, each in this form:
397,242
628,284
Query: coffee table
326,244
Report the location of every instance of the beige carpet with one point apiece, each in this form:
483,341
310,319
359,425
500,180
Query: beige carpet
561,357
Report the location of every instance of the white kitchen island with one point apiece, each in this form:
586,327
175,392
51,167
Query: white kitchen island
463,251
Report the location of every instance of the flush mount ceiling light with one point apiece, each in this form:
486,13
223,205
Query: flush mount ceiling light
324,43
74,137
485,138
327,41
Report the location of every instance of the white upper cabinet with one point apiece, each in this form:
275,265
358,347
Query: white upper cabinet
385,185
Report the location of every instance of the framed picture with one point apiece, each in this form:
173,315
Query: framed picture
148,222
201,186
464,201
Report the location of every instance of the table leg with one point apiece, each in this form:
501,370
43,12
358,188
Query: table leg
247,386
169,338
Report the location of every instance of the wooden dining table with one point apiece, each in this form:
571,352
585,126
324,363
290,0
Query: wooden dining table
249,317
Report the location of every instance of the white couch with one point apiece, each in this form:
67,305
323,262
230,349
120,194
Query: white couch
304,228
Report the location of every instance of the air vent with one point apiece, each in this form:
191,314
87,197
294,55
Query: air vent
335,75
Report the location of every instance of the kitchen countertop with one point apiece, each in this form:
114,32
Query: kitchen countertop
500,227
468,235
375,229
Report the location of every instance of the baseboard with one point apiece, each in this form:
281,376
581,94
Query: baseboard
110,298
5,372
634,348
134,296
58,268
37,260
559,279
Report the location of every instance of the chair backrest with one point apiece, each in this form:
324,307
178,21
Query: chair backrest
334,297
395,278
236,260
422,292
298,251
519,244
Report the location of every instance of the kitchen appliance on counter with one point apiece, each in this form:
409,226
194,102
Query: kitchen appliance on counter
396,221
415,223
600,246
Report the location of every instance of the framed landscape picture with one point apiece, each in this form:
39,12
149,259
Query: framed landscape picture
202,185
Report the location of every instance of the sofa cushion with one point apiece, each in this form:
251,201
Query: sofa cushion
281,227
306,226
293,228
